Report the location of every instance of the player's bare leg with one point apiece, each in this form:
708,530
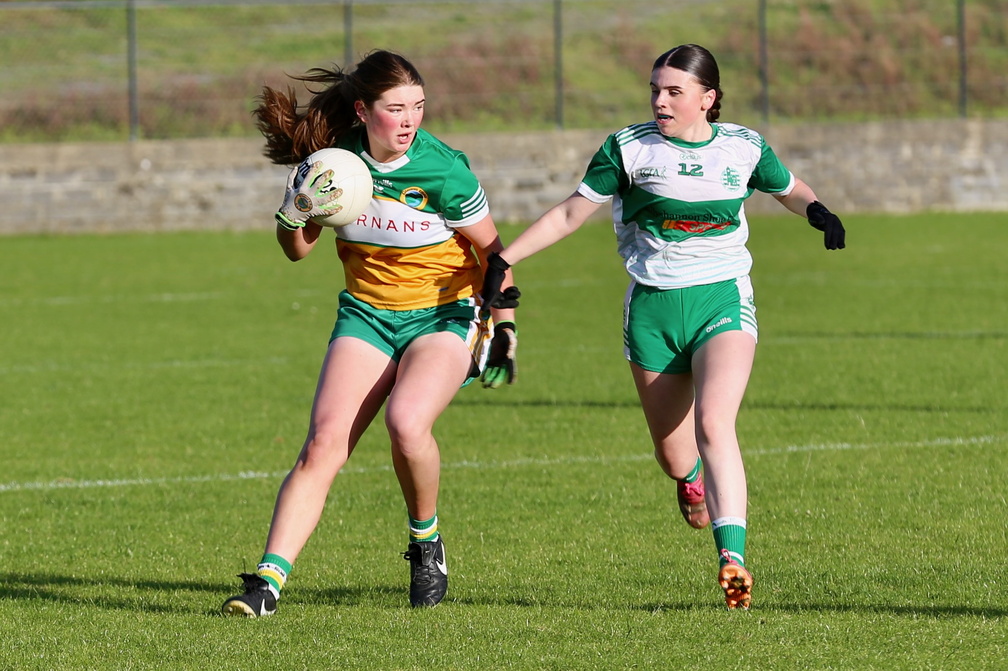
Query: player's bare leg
431,371
345,404
721,369
667,401
353,384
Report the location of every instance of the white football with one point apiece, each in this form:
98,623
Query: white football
350,175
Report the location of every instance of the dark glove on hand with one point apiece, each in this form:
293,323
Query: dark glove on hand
507,299
493,277
500,365
822,219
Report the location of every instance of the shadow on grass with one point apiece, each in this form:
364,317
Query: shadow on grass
160,597
152,596
931,611
894,335
872,407
499,402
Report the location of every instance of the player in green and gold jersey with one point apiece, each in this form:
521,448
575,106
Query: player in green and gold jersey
411,328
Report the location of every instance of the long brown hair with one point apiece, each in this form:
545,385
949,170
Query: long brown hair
697,61
293,133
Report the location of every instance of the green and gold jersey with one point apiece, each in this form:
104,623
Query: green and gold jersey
404,252
678,206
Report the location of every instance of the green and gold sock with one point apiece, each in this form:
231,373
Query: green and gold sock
729,535
274,569
423,531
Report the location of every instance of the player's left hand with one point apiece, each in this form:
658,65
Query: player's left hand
500,365
493,277
507,299
822,219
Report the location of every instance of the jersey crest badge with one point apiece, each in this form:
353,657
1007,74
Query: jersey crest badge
730,179
413,196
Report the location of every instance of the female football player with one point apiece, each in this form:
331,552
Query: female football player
410,328
678,183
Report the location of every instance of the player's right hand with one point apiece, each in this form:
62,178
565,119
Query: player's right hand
314,195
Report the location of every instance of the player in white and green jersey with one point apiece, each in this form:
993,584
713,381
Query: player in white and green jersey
410,328
677,185
680,220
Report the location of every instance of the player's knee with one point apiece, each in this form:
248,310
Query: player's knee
712,430
409,434
324,450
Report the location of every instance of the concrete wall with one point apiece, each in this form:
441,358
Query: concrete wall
898,167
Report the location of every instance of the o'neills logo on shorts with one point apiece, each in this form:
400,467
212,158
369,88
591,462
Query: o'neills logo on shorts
724,320
694,226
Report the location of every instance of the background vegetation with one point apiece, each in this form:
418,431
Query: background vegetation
491,64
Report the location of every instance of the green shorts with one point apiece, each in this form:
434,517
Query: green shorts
663,328
392,331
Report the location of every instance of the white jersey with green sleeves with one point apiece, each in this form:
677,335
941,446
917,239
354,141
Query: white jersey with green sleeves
678,206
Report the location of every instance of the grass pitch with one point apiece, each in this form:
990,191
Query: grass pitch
156,389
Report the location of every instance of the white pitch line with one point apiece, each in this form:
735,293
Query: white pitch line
836,447
481,465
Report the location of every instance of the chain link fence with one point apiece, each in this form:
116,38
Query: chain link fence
149,69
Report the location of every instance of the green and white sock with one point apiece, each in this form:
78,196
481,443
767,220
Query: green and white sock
729,535
694,475
274,569
423,531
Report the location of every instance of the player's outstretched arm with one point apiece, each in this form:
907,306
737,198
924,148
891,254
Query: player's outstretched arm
803,202
556,224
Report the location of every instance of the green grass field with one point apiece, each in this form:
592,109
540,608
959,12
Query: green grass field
156,389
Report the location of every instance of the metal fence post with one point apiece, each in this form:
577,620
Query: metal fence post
558,92
764,63
134,96
348,58
961,19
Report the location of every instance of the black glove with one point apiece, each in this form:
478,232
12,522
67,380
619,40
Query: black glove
822,219
506,299
500,365
492,279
